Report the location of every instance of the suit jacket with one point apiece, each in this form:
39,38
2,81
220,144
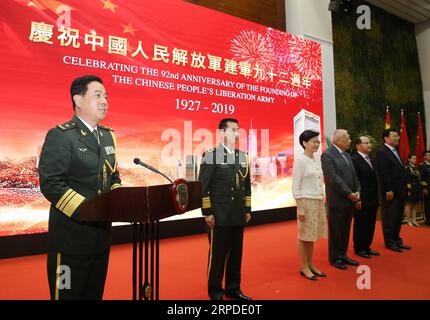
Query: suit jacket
391,173
73,168
226,185
340,178
368,180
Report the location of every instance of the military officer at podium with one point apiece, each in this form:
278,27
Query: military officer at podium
226,184
78,162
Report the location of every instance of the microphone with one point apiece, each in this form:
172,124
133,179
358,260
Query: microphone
147,166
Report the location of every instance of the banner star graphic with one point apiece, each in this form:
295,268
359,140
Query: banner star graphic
128,28
109,5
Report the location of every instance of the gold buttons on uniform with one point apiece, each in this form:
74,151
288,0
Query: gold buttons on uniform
99,191
232,198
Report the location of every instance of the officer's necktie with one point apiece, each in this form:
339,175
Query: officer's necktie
96,135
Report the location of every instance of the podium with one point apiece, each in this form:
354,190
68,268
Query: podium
143,207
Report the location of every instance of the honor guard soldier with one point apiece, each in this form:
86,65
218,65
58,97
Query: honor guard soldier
79,162
225,177
424,169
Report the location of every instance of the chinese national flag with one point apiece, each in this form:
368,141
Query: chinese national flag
404,142
387,119
419,148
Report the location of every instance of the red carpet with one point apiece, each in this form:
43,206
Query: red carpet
270,269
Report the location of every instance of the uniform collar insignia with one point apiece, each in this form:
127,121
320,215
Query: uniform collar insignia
83,133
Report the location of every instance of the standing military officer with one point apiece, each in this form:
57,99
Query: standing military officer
226,184
424,169
78,162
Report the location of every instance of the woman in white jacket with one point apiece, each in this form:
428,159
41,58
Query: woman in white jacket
309,194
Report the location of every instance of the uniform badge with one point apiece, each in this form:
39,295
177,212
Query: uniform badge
83,150
110,150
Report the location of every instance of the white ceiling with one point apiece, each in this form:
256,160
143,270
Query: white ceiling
414,11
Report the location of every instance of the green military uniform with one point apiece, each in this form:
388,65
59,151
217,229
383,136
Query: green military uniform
424,169
77,165
226,187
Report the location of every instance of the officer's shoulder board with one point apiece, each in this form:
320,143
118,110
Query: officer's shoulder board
105,128
208,151
67,125
241,151
207,154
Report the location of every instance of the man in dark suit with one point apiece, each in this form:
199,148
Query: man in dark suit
343,195
393,179
226,185
365,219
78,162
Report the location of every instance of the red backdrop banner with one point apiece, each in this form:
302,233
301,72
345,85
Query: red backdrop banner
172,71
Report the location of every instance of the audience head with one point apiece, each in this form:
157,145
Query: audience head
341,139
309,141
